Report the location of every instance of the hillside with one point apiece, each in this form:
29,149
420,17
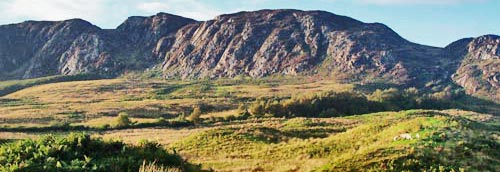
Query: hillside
248,124
42,48
268,90
257,44
442,141
479,72
226,138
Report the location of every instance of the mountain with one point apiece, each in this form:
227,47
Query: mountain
257,44
295,42
34,49
479,71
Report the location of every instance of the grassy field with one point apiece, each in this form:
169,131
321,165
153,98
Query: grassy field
356,143
231,136
94,102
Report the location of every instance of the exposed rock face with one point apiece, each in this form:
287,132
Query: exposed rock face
479,72
143,39
34,49
295,42
259,43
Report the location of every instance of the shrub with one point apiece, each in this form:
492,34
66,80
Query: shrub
195,116
122,120
161,121
257,108
327,104
80,152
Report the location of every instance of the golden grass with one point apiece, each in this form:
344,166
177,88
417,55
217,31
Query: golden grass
18,135
98,122
161,135
86,102
220,114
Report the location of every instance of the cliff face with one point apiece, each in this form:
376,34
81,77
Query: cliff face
295,42
479,71
259,43
34,49
140,39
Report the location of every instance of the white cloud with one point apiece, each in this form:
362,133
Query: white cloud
52,9
195,9
414,2
104,13
153,6
100,12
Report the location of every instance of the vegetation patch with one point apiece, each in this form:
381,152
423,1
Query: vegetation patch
388,141
80,152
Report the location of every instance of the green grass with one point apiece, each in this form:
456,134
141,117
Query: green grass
7,87
225,139
365,143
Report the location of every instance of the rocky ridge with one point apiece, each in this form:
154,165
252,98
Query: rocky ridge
257,44
479,71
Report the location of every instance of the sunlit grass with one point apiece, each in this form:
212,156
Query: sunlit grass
82,101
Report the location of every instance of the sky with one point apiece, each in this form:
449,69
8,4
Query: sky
429,22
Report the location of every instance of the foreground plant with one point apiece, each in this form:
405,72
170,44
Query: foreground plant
80,152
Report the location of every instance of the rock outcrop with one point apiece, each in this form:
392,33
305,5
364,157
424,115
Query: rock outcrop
34,49
479,71
293,42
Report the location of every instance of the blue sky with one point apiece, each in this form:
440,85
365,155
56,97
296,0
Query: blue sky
430,22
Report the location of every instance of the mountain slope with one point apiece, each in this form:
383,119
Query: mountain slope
34,49
257,44
293,42
479,71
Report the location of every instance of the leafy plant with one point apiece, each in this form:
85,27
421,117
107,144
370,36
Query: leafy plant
80,152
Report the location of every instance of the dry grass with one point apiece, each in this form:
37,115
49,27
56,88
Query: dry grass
220,114
18,135
94,102
153,167
163,136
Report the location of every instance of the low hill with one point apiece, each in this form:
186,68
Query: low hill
413,140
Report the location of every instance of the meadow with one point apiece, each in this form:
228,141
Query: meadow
268,124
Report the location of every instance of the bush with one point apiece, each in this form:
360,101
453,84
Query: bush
334,104
122,120
327,104
257,109
195,116
80,152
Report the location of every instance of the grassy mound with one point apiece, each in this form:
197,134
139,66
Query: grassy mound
79,152
445,142
7,87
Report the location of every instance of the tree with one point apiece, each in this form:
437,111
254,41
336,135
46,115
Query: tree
195,116
242,111
257,109
122,120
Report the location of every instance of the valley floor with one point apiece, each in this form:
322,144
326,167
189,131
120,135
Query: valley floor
222,140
